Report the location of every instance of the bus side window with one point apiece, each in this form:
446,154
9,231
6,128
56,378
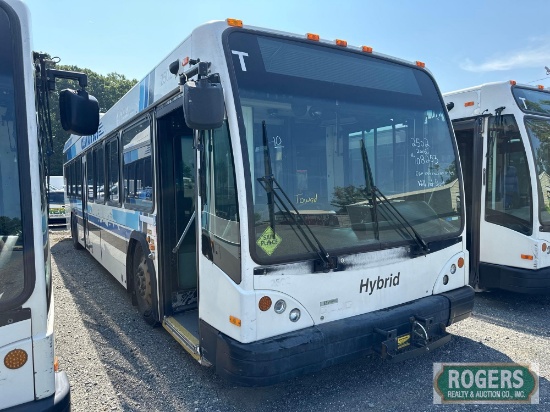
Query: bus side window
112,158
99,174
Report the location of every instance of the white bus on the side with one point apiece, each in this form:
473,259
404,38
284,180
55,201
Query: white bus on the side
280,203
29,375
503,135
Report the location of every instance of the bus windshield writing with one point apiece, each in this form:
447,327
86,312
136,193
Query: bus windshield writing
319,106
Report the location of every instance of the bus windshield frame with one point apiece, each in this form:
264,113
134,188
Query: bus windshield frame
318,103
16,248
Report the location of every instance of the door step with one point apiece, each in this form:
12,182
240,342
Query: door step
184,328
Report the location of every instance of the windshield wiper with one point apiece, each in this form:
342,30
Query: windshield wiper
270,184
378,196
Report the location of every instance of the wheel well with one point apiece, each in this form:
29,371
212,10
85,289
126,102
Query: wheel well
130,265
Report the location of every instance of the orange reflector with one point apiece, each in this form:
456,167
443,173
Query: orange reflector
420,64
460,262
234,22
312,36
513,82
151,247
527,257
468,104
265,303
235,321
544,247
185,61
55,364
15,359
341,43
367,49
541,87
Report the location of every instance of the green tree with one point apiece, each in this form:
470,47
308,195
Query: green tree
106,89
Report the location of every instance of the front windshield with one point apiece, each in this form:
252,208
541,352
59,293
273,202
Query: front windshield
318,104
539,134
57,198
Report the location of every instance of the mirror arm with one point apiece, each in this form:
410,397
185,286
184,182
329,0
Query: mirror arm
53,74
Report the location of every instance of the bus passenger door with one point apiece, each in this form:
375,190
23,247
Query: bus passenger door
470,146
176,195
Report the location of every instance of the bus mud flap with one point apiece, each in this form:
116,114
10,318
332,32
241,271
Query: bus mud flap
423,336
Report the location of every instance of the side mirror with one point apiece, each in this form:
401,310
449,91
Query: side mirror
203,105
79,112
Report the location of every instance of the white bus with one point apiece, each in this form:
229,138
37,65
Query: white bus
280,203
503,135
29,375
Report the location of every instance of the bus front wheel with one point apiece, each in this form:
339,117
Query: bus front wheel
142,286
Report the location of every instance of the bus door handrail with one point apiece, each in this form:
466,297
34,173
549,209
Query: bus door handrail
176,248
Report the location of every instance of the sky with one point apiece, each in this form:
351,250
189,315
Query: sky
463,43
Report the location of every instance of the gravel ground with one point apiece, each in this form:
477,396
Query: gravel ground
115,361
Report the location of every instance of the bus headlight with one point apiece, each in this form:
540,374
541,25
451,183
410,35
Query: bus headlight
280,306
453,269
294,315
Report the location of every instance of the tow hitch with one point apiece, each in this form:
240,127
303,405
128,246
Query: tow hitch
423,335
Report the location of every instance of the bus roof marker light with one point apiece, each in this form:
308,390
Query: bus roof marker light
15,359
420,64
235,321
265,303
468,104
312,36
541,87
527,257
366,49
513,82
234,22
341,43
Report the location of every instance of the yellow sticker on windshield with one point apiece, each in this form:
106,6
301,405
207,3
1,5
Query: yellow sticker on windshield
269,240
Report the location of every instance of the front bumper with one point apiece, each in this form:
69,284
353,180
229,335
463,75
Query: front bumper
59,402
519,280
309,350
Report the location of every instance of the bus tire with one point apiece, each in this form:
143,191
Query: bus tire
74,234
143,289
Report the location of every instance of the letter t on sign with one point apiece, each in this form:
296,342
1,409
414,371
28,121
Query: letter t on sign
241,58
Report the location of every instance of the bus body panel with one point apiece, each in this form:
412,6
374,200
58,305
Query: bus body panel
509,259
228,309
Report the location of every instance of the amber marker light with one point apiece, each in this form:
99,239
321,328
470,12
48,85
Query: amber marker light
312,36
513,82
55,364
341,43
185,61
234,22
460,262
467,104
15,359
544,247
541,87
527,257
420,64
366,49
235,321
265,303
